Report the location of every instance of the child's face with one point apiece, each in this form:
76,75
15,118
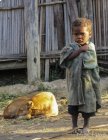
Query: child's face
81,35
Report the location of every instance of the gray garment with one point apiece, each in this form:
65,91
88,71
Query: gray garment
82,78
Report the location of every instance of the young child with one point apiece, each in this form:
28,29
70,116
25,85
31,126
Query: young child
82,74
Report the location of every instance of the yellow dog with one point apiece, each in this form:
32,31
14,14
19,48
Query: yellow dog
43,103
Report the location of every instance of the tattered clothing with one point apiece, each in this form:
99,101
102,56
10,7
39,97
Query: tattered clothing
82,74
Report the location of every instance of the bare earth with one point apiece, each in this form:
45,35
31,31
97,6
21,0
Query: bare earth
56,128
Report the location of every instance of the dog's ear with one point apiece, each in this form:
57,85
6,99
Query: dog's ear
30,104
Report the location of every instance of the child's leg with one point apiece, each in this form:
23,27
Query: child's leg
73,111
86,124
74,121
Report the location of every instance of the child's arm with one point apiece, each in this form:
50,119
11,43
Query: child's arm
77,52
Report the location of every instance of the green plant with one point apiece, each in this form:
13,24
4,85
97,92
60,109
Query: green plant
5,98
42,87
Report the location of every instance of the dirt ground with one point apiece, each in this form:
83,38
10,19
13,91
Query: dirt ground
56,128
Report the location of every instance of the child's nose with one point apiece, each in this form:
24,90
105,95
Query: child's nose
79,36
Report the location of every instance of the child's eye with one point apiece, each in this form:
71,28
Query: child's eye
76,34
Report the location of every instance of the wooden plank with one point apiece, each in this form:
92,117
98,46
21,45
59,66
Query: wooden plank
47,39
70,14
54,46
1,30
51,52
52,3
50,55
83,4
101,54
99,22
106,23
101,48
42,55
103,62
72,10
11,8
58,41
103,69
68,38
94,23
104,26
12,56
47,70
12,59
42,27
22,36
13,65
90,15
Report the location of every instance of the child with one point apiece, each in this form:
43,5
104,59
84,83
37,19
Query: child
82,74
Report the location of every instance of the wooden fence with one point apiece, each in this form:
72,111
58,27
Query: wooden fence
55,20
12,34
11,28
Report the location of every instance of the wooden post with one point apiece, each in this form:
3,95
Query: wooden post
47,70
32,40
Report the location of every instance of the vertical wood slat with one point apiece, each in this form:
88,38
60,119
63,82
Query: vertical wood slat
107,23
90,15
42,25
0,27
47,70
99,22
67,27
47,45
59,27
97,26
53,45
9,29
22,37
83,4
72,14
47,39
13,4
42,36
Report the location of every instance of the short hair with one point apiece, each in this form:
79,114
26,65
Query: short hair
83,22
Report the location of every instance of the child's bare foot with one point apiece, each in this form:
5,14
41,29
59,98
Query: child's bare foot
76,130
85,130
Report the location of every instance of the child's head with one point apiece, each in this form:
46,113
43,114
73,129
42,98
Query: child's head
82,30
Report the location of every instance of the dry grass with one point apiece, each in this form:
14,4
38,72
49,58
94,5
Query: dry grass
52,127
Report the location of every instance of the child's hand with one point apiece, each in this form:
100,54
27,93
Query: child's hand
84,48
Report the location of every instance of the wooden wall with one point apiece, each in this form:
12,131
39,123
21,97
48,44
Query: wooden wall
11,28
55,19
51,21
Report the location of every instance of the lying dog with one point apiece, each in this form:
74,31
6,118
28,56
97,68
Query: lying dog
18,107
43,103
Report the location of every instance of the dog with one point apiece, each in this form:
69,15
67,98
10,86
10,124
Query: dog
42,103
